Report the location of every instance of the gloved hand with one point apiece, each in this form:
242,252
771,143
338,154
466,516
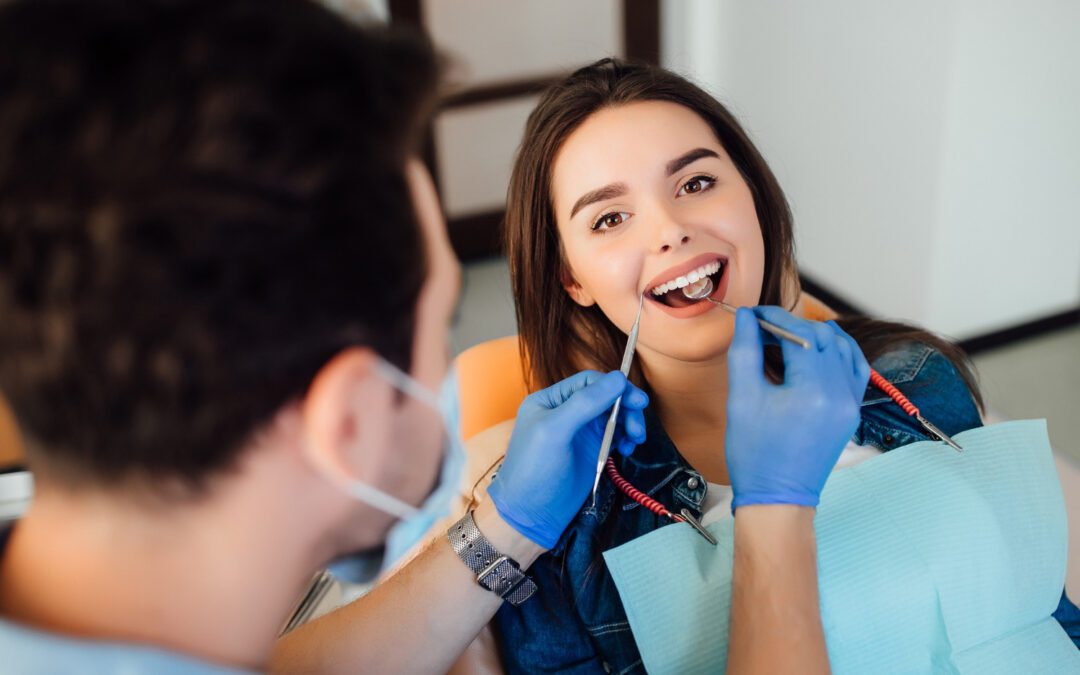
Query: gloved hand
551,462
782,441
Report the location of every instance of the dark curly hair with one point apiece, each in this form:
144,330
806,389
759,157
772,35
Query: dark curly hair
200,203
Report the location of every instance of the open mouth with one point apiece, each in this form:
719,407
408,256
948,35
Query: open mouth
672,293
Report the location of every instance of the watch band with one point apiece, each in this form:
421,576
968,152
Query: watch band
494,571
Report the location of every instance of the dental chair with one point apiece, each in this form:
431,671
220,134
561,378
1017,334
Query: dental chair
10,447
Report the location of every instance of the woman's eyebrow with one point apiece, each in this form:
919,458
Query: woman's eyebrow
689,157
619,189
609,191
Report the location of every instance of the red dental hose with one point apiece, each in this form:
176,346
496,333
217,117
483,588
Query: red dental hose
659,509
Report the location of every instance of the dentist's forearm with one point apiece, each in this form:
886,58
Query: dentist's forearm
418,621
775,613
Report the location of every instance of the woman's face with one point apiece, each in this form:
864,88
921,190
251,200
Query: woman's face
647,199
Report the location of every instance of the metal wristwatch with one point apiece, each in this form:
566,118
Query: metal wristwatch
494,571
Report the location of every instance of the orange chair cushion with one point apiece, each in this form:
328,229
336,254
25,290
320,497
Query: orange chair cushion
10,447
491,384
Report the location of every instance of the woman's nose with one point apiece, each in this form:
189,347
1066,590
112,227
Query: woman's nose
664,248
672,235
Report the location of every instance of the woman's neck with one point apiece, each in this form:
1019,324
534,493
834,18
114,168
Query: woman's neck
691,401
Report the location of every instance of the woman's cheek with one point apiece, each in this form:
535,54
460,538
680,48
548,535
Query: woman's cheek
616,287
744,289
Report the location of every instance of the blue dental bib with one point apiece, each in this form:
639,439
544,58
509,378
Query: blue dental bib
929,560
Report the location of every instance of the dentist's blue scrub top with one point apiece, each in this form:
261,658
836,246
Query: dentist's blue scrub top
28,651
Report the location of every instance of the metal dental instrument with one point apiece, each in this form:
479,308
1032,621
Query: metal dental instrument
938,432
693,522
609,430
684,516
701,291
909,407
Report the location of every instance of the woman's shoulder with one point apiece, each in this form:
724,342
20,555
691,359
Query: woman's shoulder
931,381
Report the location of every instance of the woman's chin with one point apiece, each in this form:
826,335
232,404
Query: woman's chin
697,346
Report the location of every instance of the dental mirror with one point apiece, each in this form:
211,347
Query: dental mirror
703,288
700,290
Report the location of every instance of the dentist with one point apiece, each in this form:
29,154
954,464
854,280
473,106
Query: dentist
225,294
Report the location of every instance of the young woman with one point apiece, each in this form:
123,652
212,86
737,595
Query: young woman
629,181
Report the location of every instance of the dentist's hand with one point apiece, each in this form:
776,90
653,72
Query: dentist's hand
783,440
551,462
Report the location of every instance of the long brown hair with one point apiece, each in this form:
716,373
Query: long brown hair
558,337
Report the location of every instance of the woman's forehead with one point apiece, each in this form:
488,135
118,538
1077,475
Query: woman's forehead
625,143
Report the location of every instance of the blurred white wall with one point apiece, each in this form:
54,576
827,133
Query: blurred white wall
475,149
491,42
930,150
496,41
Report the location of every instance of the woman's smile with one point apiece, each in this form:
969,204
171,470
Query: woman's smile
708,269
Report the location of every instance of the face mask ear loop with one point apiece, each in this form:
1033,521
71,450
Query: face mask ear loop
406,383
372,496
380,500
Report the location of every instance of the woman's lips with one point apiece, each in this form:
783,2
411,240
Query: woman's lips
677,271
698,308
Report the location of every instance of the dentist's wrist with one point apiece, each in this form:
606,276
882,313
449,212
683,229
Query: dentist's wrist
780,520
504,537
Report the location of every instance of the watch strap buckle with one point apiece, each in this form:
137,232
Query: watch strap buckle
496,572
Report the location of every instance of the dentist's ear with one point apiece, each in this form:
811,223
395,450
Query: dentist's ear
346,417
574,289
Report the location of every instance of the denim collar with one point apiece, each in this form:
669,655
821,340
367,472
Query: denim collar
657,464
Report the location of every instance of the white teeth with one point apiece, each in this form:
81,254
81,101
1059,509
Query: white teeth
690,278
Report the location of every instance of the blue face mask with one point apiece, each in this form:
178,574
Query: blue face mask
414,522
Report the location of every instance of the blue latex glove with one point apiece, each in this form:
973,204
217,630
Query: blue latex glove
551,462
783,440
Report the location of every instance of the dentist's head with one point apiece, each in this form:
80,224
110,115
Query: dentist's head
214,235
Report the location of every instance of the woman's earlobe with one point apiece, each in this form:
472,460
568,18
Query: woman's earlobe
575,291
580,295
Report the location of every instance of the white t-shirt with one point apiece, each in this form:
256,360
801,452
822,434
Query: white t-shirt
717,503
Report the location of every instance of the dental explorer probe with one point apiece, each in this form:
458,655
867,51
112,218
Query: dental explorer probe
609,429
701,291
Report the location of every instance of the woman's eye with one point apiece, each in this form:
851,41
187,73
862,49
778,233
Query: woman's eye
697,184
610,220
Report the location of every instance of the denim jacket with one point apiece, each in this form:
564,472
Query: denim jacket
576,623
